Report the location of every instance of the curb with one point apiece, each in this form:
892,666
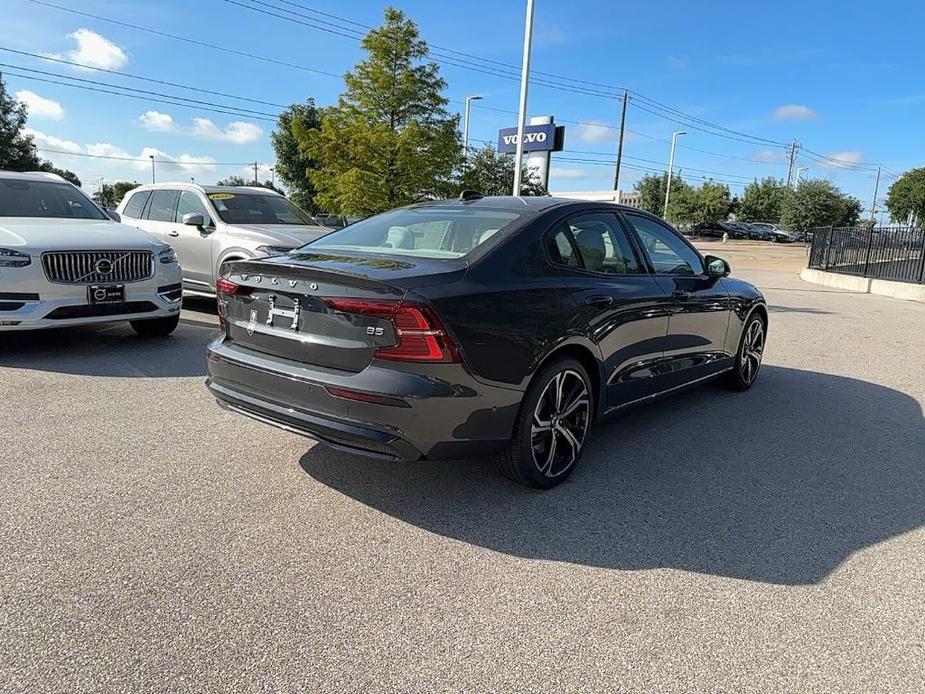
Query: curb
866,285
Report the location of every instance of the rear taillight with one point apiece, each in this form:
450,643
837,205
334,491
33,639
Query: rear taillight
223,289
420,335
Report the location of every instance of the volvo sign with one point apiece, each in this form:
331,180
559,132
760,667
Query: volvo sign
547,137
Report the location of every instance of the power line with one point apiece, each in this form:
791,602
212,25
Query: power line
139,77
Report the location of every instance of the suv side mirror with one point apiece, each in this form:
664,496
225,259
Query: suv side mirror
194,219
717,267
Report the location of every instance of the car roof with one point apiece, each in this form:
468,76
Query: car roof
531,203
33,176
186,185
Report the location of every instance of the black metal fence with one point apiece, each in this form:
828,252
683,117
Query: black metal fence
878,252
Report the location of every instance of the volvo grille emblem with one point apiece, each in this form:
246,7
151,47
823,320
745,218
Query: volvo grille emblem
103,266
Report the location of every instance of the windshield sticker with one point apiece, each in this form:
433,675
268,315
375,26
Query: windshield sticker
221,196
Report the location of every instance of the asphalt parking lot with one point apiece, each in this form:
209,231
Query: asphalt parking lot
769,541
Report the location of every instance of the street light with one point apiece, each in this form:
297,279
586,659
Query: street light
674,138
151,157
796,181
469,100
522,109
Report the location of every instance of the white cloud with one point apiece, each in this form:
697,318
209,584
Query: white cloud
569,174
95,50
597,133
237,132
842,160
44,141
794,112
767,156
163,161
158,122
263,172
39,106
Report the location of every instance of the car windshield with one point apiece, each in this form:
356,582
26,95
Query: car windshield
254,208
426,232
26,198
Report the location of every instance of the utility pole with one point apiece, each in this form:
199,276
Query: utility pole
674,138
255,174
273,176
792,150
522,109
616,175
873,206
151,157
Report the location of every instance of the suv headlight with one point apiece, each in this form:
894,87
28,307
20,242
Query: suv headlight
168,255
274,250
11,258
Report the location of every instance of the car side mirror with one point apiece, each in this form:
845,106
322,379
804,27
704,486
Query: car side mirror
194,219
717,267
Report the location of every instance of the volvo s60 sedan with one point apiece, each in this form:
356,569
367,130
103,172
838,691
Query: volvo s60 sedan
486,326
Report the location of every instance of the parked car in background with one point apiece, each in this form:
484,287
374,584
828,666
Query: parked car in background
483,326
211,225
64,262
714,229
775,232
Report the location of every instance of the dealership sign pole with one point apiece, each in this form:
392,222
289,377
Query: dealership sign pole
522,111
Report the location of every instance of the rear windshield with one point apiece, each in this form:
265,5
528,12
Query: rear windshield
426,232
22,198
253,208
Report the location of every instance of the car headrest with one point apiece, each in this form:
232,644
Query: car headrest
399,237
487,234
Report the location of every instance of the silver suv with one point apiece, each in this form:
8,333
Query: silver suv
209,225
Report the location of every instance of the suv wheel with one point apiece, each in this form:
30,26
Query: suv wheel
551,428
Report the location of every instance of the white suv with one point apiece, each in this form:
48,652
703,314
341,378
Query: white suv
64,262
210,225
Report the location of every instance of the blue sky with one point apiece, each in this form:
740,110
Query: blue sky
835,76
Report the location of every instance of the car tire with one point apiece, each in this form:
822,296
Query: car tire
749,355
551,428
156,327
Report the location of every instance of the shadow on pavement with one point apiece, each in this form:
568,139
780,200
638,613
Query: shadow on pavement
798,309
778,485
111,349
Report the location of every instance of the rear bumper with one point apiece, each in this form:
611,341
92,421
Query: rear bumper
441,412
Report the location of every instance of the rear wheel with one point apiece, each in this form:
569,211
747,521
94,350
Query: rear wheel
551,427
156,327
748,358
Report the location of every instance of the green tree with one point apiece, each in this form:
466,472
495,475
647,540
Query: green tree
707,203
293,164
491,173
907,196
17,150
111,194
232,181
763,200
48,167
389,140
651,188
817,202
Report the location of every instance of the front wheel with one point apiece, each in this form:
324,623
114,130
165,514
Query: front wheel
551,427
748,358
156,327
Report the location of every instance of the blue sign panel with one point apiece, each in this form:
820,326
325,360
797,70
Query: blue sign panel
537,138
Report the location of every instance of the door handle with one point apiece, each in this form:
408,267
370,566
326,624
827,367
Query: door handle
173,233
602,300
681,295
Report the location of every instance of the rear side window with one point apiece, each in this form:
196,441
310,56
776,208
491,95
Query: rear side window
601,244
163,205
136,204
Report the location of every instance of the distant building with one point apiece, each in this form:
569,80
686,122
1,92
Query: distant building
625,197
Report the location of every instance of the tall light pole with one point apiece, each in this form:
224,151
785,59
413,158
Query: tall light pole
674,140
522,110
873,206
151,157
796,179
469,100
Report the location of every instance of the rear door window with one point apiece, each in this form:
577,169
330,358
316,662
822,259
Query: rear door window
163,205
136,204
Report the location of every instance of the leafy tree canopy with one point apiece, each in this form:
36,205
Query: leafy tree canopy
818,202
491,173
762,200
907,196
293,164
389,140
111,194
